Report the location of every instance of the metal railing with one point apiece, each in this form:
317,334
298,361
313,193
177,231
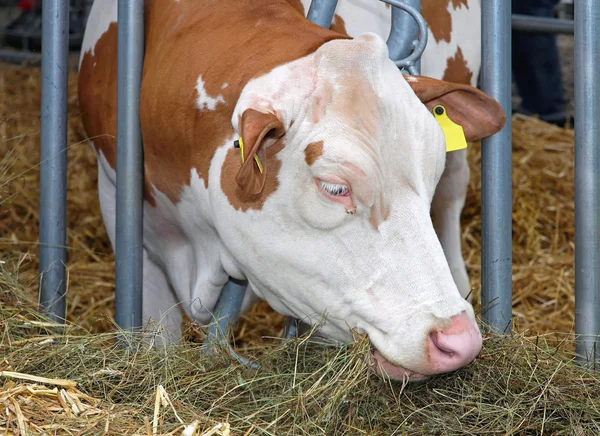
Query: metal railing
496,171
497,22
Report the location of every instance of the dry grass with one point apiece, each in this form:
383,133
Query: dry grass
519,386
543,227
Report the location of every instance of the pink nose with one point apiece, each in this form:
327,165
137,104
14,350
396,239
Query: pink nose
456,346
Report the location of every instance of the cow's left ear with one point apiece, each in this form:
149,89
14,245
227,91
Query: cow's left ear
258,130
478,114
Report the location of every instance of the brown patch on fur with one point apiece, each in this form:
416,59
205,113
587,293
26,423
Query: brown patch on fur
358,104
373,219
338,25
457,70
313,151
183,41
237,197
379,212
438,18
97,94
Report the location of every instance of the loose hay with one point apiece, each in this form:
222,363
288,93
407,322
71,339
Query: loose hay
515,386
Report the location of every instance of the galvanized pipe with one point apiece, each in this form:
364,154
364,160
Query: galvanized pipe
528,23
587,181
321,12
407,24
129,243
21,57
496,171
225,317
53,158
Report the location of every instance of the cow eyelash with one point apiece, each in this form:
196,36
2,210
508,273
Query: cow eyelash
335,189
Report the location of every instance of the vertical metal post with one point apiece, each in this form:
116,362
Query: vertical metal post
496,171
403,33
587,180
53,158
128,297
321,12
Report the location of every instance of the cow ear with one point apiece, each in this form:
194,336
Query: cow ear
478,114
258,130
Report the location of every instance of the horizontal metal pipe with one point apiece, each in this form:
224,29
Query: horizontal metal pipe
528,23
53,158
20,57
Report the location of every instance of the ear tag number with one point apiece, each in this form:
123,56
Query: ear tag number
455,135
240,144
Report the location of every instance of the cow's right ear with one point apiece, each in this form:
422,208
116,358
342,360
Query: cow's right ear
257,130
479,114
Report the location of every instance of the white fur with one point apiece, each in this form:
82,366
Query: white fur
373,16
160,305
205,101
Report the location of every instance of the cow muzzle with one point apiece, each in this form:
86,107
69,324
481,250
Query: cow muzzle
447,350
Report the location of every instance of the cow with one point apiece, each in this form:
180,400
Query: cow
294,157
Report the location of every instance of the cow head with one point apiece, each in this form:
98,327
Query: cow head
333,216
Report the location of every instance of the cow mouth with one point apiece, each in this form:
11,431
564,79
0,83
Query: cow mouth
384,368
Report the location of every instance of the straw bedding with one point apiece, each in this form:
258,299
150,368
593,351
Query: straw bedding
522,385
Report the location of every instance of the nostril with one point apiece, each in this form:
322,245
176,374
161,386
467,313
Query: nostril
455,344
446,350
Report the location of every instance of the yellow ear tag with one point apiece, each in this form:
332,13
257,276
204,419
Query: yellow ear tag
455,135
241,144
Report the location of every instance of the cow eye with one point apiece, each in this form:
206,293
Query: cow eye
335,189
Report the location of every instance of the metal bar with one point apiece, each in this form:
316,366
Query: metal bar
225,317
587,181
496,172
232,296
321,12
528,23
404,33
53,158
20,57
128,297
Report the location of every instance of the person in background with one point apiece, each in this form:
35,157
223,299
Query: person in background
25,31
536,67
565,10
